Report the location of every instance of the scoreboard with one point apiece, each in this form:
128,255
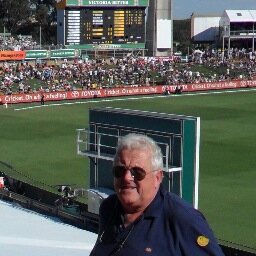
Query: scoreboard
99,26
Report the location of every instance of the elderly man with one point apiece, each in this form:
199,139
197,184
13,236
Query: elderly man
142,218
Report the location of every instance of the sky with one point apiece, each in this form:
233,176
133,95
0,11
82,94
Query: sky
184,8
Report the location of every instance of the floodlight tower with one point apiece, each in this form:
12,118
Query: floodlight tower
160,28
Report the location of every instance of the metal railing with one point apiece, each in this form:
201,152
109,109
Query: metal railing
243,32
90,144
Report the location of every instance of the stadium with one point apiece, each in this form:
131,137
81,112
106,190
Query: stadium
43,171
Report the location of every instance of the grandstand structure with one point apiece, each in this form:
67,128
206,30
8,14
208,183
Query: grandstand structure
234,28
205,28
116,26
237,26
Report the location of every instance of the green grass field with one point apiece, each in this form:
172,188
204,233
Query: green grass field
41,144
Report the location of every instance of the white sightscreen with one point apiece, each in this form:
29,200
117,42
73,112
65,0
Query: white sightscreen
164,34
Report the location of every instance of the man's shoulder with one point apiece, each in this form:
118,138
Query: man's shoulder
110,199
176,200
189,225
109,203
177,207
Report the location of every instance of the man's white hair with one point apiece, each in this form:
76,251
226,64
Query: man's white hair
141,142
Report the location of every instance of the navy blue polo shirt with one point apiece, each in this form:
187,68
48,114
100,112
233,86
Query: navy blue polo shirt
168,227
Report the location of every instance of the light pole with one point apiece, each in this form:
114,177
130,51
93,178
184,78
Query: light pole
40,28
4,36
4,24
172,27
40,36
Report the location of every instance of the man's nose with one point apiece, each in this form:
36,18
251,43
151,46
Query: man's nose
128,175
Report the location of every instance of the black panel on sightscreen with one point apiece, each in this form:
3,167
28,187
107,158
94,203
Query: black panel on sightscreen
137,120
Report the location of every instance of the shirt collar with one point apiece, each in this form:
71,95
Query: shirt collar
153,209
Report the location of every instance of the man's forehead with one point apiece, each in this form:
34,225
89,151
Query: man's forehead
135,151
136,157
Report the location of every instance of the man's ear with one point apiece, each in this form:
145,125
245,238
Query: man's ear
159,176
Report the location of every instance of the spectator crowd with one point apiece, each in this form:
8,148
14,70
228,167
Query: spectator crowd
17,43
56,75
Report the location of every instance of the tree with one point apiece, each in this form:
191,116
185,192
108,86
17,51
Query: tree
27,16
182,34
12,15
45,18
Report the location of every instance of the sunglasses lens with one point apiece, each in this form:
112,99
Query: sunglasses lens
118,171
137,172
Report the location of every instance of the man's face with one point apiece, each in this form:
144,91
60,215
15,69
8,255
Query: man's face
136,195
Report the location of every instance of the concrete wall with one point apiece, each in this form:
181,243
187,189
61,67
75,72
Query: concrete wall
159,28
163,9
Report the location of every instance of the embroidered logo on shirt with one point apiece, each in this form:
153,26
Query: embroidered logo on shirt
202,241
148,249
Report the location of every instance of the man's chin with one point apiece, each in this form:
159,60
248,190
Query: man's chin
127,197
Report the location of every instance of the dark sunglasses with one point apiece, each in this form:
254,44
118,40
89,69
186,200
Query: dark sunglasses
137,173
